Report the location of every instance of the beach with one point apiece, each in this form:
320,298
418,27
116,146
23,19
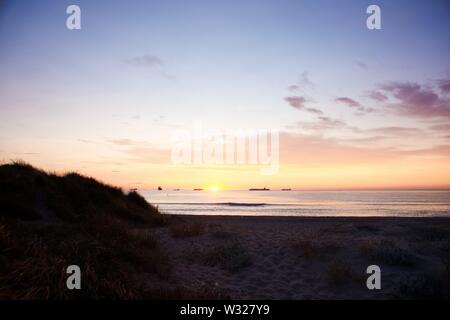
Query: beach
126,248
305,257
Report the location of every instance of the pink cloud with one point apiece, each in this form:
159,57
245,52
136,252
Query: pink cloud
377,96
298,102
415,100
444,85
348,102
443,127
312,149
397,131
323,123
314,110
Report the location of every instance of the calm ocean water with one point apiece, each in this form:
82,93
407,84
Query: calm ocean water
303,203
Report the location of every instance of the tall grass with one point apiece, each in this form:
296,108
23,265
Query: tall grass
48,222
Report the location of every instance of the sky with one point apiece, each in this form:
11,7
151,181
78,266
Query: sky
355,108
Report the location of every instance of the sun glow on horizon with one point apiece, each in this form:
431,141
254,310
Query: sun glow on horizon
382,126
215,188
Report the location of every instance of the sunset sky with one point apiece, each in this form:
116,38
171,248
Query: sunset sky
355,108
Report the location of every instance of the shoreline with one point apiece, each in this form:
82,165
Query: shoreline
306,218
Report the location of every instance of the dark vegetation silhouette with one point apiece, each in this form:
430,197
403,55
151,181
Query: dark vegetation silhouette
50,221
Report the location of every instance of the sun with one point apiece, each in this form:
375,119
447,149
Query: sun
214,188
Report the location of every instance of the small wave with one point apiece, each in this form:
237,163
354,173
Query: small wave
244,204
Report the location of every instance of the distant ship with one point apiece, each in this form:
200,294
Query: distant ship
198,189
176,189
287,189
259,189
159,188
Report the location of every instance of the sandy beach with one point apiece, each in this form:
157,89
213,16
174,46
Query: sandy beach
127,249
305,258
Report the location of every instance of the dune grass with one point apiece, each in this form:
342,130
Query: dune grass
182,229
232,256
390,253
49,221
316,249
339,273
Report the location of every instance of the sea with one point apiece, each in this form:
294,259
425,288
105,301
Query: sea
406,203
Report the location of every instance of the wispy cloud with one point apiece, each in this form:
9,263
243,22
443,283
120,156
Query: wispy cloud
318,150
298,102
151,62
322,124
444,85
442,127
365,140
441,151
348,102
332,122
149,154
303,84
122,142
377,96
397,131
416,100
300,99
145,61
30,153
361,64
87,141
